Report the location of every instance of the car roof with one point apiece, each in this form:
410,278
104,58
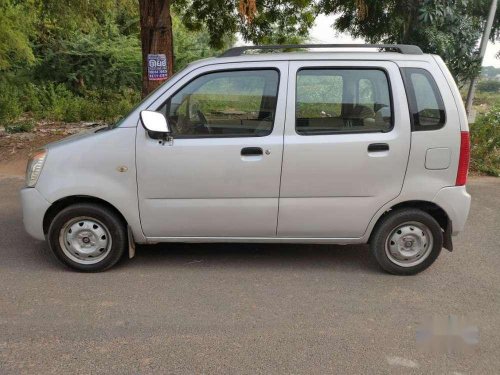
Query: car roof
315,56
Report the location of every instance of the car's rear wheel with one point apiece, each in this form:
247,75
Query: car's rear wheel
87,237
406,241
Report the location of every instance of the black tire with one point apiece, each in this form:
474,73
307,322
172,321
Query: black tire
390,223
112,224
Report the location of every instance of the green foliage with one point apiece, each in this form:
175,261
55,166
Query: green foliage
490,72
485,143
78,60
68,60
10,103
225,103
489,85
56,102
193,45
449,28
483,101
277,21
9,107
56,18
317,94
15,25
480,9
103,58
24,126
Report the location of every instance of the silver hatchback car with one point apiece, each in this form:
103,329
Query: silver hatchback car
328,147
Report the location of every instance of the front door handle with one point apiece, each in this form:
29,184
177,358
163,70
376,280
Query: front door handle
251,151
378,147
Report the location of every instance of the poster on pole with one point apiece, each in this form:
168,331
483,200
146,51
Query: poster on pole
157,67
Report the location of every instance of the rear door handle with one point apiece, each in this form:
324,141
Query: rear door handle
378,147
251,151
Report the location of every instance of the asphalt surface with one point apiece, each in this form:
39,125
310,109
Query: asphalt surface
243,308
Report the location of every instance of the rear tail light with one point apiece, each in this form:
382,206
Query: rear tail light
463,162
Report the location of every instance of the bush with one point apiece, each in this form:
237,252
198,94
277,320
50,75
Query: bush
56,102
108,105
485,143
10,107
53,102
100,59
489,85
24,126
484,101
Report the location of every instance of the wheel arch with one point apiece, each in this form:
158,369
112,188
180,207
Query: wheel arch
62,203
436,211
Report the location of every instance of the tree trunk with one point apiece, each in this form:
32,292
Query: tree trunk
156,38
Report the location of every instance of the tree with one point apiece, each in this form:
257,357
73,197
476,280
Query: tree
449,28
194,45
490,72
14,42
256,20
156,38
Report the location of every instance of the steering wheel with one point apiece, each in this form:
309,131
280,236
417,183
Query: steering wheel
196,117
203,120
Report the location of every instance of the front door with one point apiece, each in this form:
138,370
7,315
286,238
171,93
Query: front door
220,176
347,141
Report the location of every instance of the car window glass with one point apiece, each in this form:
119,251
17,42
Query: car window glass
426,104
342,101
366,92
224,104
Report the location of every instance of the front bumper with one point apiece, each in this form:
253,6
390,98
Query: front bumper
456,202
34,208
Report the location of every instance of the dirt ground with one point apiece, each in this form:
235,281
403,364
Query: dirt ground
16,148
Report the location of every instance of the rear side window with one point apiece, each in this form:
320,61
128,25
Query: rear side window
425,101
331,101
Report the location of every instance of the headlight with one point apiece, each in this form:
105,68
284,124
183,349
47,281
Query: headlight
34,168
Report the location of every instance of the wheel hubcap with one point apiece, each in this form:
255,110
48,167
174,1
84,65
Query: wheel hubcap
409,244
85,240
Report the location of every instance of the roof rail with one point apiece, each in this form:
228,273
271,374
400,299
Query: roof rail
406,49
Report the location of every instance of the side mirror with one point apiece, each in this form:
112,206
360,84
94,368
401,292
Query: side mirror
155,123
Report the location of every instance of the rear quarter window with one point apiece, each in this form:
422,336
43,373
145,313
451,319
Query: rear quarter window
424,99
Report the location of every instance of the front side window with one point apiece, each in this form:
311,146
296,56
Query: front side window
426,104
330,101
239,103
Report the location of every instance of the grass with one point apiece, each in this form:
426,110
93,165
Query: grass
55,102
24,126
485,143
485,101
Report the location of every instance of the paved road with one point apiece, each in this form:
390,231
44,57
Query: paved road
245,308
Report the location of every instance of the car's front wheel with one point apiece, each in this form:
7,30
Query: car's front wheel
87,237
406,241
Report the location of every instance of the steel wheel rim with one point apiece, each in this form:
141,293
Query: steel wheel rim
409,244
85,240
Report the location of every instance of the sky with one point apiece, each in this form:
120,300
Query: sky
322,32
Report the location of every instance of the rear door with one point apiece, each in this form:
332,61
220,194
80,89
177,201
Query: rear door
347,140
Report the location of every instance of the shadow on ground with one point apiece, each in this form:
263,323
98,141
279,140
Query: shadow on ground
247,255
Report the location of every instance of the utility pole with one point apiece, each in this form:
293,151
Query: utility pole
482,50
